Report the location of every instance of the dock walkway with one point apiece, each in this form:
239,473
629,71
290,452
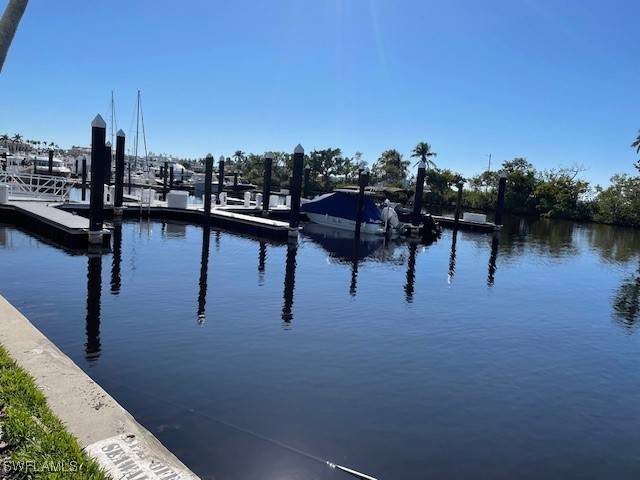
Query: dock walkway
43,218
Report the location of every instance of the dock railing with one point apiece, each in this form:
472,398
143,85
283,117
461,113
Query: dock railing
36,187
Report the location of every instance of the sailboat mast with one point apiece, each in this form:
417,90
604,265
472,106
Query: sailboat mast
113,114
135,162
144,138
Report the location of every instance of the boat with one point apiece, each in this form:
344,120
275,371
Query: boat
58,167
338,209
197,179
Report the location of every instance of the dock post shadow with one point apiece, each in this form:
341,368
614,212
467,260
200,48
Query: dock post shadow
262,259
117,257
204,269
355,262
491,275
452,255
289,281
94,294
409,286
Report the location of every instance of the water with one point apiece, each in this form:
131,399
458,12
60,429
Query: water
514,356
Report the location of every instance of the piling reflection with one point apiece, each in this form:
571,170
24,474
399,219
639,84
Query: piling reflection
5,237
262,259
116,259
204,268
289,282
94,293
452,256
353,286
411,273
626,303
491,276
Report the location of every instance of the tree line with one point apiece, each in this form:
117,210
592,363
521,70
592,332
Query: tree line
17,143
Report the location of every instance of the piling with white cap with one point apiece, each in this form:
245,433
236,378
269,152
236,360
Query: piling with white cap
458,204
417,201
84,178
208,173
266,188
296,186
96,207
107,163
502,187
220,177
363,181
120,138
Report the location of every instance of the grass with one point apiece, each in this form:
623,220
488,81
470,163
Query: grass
39,445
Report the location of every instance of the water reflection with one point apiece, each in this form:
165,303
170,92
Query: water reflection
289,282
204,268
626,303
94,293
491,276
355,260
452,256
5,237
174,230
411,273
117,259
262,259
341,244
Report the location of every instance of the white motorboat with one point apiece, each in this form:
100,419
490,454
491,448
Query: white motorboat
339,210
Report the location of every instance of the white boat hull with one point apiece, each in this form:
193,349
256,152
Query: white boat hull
345,224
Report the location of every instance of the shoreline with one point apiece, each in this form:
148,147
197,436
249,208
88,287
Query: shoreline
103,428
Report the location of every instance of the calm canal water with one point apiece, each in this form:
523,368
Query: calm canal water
474,357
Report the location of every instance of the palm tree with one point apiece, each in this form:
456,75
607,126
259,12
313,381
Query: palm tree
4,139
423,151
636,143
8,26
17,141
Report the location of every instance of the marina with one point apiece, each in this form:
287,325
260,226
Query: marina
345,345
340,240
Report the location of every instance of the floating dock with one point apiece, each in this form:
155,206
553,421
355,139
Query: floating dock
44,219
235,219
465,224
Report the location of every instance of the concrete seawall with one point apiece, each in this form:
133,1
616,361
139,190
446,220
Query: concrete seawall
106,431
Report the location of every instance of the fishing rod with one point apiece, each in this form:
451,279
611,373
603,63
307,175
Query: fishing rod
259,436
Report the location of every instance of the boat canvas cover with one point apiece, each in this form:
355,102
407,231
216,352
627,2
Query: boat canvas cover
343,205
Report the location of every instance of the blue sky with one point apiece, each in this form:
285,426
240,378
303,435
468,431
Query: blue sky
555,81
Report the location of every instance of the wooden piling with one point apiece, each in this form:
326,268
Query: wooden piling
363,180
502,187
107,163
84,179
220,179
235,180
170,177
417,201
266,188
120,139
208,173
296,186
96,208
306,189
165,172
50,162
129,177
458,203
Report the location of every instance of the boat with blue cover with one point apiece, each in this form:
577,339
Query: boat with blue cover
338,209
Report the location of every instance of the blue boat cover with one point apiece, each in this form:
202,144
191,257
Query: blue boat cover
343,205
